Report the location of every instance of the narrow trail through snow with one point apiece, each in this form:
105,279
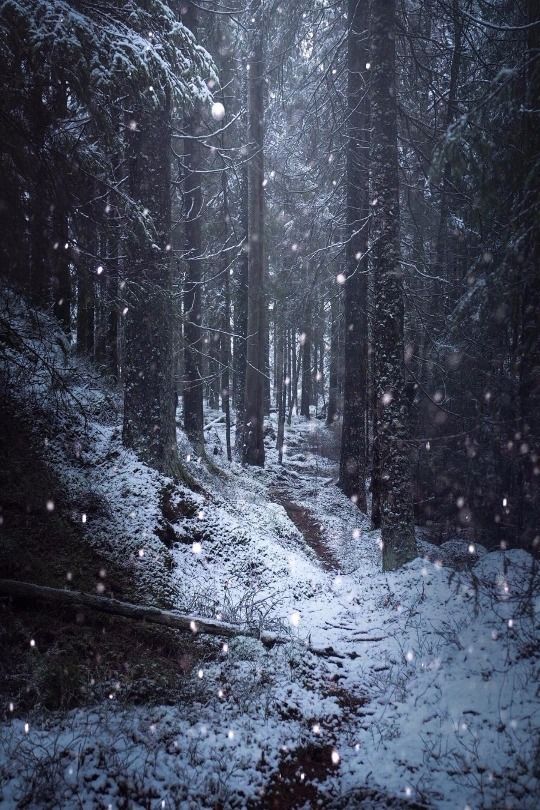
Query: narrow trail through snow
411,668
309,527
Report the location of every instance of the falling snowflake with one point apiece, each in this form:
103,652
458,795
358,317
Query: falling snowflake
218,111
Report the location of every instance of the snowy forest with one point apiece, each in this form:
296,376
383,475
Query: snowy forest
270,404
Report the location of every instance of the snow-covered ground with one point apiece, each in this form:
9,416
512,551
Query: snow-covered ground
419,686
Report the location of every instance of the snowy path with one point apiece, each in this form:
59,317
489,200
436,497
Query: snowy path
308,526
426,695
427,668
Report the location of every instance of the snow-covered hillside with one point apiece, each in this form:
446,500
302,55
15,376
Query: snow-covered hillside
415,688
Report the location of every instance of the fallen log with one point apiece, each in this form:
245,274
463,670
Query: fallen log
220,420
154,615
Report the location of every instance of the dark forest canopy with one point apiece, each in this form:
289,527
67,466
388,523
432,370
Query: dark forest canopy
328,207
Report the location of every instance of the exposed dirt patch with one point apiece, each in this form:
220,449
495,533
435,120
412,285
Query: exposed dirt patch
309,527
349,702
295,783
175,505
368,798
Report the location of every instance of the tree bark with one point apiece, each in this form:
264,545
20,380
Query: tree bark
39,237
149,404
352,467
226,324
241,323
289,350
101,306
529,366
253,439
398,538
297,364
319,366
375,465
441,248
86,293
61,265
331,413
280,364
113,314
61,277
307,381
193,333
267,363
213,378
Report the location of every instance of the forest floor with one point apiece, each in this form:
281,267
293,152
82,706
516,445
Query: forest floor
411,689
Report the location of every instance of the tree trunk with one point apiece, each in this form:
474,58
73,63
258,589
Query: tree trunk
193,333
253,448
341,360
274,348
375,466
267,363
149,406
85,310
393,405
441,268
226,359
297,364
319,369
113,314
331,413
352,466
529,368
280,377
289,350
86,294
60,262
314,379
307,381
240,323
145,613
107,311
101,305
214,370
226,324
61,276
39,237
